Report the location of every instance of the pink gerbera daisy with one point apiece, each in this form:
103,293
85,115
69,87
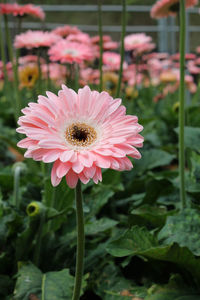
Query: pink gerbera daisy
69,52
136,40
112,60
165,8
65,30
35,39
22,10
81,133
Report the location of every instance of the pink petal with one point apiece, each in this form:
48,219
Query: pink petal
72,179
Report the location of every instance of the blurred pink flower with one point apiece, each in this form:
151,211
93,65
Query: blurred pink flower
57,72
29,58
81,133
135,41
108,43
69,52
79,38
35,39
89,76
188,56
112,60
65,30
144,48
165,8
22,10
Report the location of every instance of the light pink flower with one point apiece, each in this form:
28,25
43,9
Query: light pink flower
69,52
108,43
22,10
144,48
188,56
79,38
57,72
81,133
165,8
134,41
112,60
65,30
95,39
35,39
89,76
29,58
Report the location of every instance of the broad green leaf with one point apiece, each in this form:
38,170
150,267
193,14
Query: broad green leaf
192,137
112,285
150,215
139,241
134,240
176,289
49,286
153,158
95,226
184,229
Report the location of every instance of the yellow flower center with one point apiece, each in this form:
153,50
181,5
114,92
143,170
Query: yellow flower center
80,134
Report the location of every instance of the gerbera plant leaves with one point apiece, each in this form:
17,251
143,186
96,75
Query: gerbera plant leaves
48,286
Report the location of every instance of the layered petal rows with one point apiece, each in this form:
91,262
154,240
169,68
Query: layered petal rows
80,154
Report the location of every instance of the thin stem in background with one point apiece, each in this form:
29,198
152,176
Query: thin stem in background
122,47
80,243
182,105
100,46
36,258
14,67
3,56
16,186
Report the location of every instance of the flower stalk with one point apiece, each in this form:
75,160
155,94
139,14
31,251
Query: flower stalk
182,105
100,46
14,67
123,32
80,242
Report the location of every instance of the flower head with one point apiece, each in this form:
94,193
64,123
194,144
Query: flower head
165,8
22,10
65,51
136,40
28,75
35,39
81,133
65,30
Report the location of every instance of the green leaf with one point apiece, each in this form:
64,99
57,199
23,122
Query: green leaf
134,240
139,241
49,286
113,286
153,158
184,229
150,215
93,227
192,137
176,289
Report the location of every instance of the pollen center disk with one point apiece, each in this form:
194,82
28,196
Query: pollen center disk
80,134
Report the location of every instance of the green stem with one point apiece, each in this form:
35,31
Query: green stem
182,103
36,258
14,66
122,47
16,186
3,57
80,243
100,46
